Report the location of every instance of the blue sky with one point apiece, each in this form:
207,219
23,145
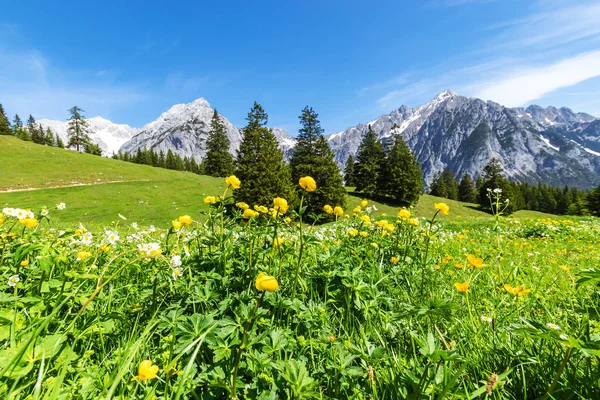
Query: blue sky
352,61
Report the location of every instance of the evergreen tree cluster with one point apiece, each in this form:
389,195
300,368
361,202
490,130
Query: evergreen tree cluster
169,160
32,132
389,173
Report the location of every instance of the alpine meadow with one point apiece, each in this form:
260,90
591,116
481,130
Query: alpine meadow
278,248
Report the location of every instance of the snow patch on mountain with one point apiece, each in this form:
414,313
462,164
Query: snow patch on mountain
547,141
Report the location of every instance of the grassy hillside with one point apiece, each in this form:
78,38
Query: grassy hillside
143,194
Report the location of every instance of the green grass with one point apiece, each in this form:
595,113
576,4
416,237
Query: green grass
143,194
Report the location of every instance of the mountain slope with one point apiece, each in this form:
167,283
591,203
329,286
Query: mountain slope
462,133
108,135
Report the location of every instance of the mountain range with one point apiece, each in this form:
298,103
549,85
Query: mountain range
534,144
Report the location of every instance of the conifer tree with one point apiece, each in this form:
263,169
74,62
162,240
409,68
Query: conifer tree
59,142
349,171
260,165
451,184
313,157
466,190
218,161
493,179
592,201
4,123
400,176
93,148
78,129
49,138
370,158
34,132
438,186
17,125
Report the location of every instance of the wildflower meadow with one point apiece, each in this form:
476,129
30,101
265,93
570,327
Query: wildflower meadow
263,301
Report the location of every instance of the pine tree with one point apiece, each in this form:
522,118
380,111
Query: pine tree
4,123
78,129
438,186
400,176
466,190
218,161
49,138
259,164
34,132
349,171
59,142
451,184
313,157
370,158
592,201
93,148
170,162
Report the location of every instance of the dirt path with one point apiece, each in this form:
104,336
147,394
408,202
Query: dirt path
68,185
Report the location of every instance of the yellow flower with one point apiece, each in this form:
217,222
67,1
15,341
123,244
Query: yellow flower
516,291
365,219
83,255
475,261
328,209
280,204
462,287
413,222
442,207
210,200
394,260
364,234
1,218
356,210
146,371
242,205
29,222
176,224
404,213
232,182
352,232
266,282
261,209
248,213
308,183
364,203
338,211
185,220
375,245
277,242
25,262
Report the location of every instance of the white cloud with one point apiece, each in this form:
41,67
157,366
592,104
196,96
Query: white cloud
522,86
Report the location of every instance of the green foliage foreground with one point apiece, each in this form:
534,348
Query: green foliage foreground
364,308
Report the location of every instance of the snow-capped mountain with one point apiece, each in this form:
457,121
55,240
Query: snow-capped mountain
184,129
534,144
108,135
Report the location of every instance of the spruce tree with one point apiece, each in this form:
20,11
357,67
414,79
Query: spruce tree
34,132
438,186
93,148
592,201
49,138
218,161
466,190
400,176
59,142
370,158
17,124
451,184
349,171
78,129
4,123
260,165
313,157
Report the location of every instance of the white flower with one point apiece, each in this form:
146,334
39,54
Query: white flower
497,190
122,216
20,214
176,260
563,336
177,272
12,281
553,326
134,225
9,211
149,249
486,319
112,237
44,212
86,238
61,206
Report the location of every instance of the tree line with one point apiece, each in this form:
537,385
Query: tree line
78,131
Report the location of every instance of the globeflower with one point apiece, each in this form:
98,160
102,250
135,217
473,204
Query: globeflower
29,222
242,205
146,371
185,220
414,222
233,182
364,203
176,224
475,262
83,255
356,210
248,214
308,183
353,232
266,282
365,219
462,287
404,213
210,200
442,208
328,209
338,211
280,204
261,209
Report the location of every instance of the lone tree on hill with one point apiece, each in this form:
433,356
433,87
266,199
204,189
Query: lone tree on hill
367,169
493,179
349,171
313,157
260,165
78,129
400,176
218,161
466,190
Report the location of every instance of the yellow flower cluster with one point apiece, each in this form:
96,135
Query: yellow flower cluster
184,220
404,214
